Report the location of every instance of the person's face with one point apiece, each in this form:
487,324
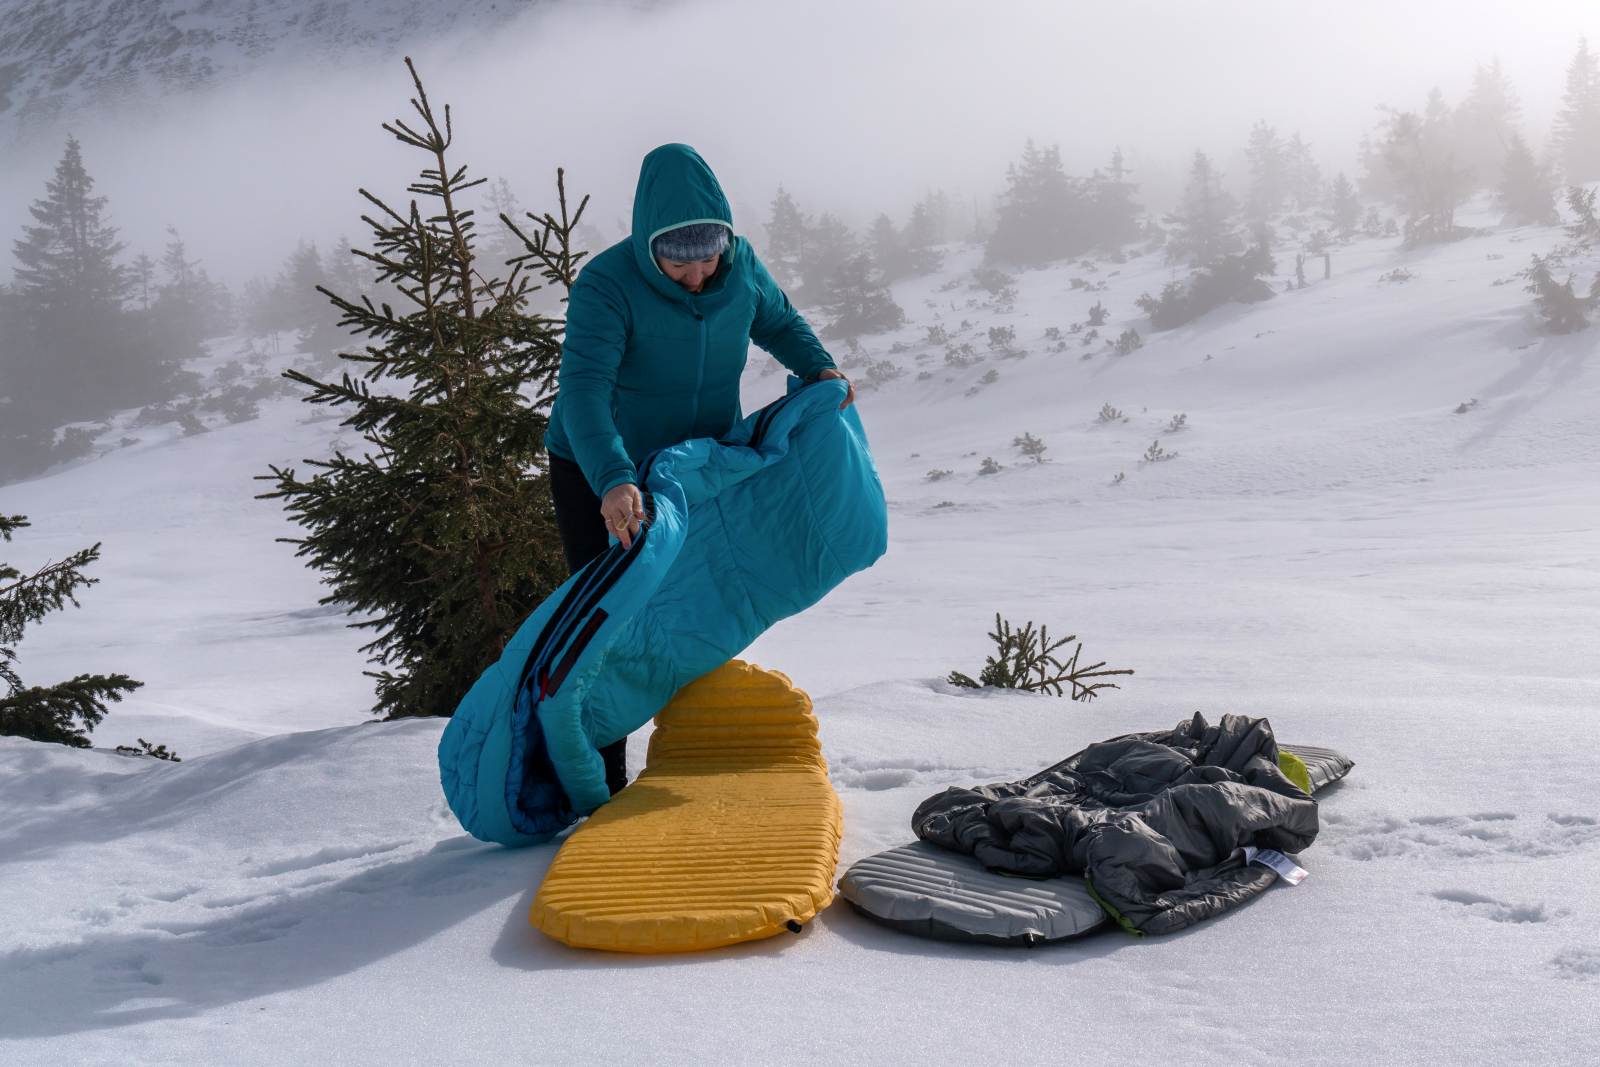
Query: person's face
691,275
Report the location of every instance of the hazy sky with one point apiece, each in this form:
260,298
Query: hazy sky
856,106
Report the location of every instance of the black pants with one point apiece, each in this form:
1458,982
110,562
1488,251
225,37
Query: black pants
583,537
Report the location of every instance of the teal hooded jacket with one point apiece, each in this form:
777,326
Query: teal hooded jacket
647,364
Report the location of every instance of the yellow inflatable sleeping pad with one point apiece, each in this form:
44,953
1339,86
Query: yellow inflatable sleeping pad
731,832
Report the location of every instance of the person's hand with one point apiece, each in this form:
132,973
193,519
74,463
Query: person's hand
623,510
850,396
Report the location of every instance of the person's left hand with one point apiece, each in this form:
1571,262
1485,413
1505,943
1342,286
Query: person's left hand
850,396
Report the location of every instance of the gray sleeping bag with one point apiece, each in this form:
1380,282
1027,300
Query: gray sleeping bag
1154,822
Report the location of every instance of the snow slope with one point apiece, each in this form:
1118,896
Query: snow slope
1332,547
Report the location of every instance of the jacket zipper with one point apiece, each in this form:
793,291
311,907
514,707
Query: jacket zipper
700,373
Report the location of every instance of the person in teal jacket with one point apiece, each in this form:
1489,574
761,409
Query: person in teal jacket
658,331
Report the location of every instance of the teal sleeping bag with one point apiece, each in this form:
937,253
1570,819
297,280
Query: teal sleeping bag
740,532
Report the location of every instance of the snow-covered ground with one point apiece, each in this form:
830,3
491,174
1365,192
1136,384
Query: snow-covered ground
1332,547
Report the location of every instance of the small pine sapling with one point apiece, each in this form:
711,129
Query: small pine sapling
989,466
1563,310
1031,447
1177,422
1026,659
1128,341
1586,229
145,748
1110,414
1097,314
1156,454
939,474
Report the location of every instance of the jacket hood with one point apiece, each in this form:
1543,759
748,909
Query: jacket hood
676,188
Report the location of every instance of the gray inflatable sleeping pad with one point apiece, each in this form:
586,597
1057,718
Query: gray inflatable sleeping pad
929,891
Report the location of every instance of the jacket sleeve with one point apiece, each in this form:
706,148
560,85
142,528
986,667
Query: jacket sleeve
779,329
597,333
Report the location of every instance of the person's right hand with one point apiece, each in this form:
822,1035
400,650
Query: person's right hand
623,510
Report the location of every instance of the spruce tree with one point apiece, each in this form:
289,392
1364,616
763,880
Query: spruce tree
1562,309
443,533
1486,122
142,273
923,232
1302,177
1584,229
64,712
181,313
1376,181
1526,191
1114,214
1268,181
828,244
859,300
785,253
1042,214
1575,138
931,218
318,326
1344,208
1205,228
70,346
70,290
1420,153
888,248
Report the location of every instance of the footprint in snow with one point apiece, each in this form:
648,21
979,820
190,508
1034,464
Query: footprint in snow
1498,910
1580,963
877,775
320,857
130,969
1486,834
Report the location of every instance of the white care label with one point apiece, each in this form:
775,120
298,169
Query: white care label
1285,867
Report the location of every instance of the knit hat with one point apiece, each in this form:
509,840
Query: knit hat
691,243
